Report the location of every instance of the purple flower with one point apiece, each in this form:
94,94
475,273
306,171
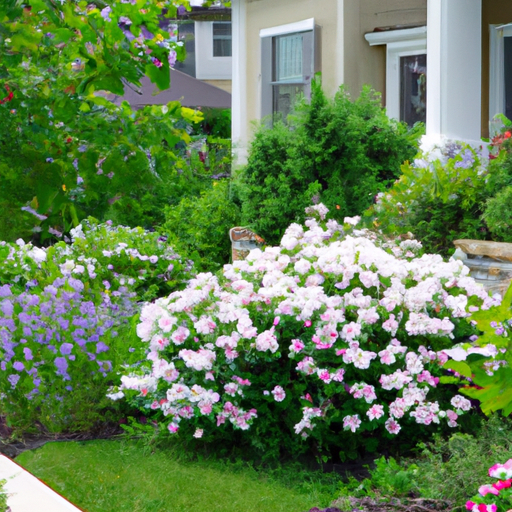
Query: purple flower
18,366
66,348
5,291
62,365
28,354
33,212
63,323
87,308
82,148
75,164
13,379
101,347
7,307
105,13
76,284
80,322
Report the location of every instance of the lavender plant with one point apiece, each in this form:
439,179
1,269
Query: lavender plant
66,315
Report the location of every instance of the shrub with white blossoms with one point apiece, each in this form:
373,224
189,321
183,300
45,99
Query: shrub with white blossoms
332,331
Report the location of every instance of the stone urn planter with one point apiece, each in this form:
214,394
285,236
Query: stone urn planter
490,263
243,240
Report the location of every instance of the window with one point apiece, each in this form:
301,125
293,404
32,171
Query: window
288,65
221,35
500,90
406,72
413,89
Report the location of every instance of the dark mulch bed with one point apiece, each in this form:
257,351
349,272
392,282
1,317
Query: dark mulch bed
394,504
12,446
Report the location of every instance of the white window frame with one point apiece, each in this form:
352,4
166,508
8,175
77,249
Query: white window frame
209,67
267,56
497,68
399,43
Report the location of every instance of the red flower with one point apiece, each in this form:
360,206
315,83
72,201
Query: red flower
69,139
507,135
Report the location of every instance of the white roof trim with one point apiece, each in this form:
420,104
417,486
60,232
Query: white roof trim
289,28
501,27
395,36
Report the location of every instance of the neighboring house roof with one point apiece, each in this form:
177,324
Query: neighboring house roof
184,88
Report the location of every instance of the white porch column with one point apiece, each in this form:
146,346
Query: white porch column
454,61
239,135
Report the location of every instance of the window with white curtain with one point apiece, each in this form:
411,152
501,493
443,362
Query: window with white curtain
288,66
221,35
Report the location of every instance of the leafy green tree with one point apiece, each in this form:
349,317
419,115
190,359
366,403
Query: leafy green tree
67,151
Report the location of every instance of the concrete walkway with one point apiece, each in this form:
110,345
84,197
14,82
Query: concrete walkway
26,493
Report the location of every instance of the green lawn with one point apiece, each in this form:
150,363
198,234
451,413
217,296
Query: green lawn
119,476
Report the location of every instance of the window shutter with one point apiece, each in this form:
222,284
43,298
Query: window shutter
266,76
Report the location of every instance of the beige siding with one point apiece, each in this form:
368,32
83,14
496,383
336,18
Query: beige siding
365,64
494,12
225,85
345,54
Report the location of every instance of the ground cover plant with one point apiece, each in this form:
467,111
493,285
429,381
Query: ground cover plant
342,149
66,322
319,343
102,476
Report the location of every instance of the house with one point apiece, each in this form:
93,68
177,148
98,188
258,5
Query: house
203,79
446,62
206,33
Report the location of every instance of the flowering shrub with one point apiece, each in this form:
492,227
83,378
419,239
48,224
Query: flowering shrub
65,320
496,497
331,333
439,197
103,256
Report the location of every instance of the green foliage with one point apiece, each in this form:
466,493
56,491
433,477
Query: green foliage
448,469
490,371
217,122
199,226
67,151
345,151
439,197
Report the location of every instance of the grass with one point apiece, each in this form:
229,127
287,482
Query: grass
119,476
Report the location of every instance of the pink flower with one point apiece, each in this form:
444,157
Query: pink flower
157,62
392,426
487,489
307,323
502,484
279,394
375,412
173,428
